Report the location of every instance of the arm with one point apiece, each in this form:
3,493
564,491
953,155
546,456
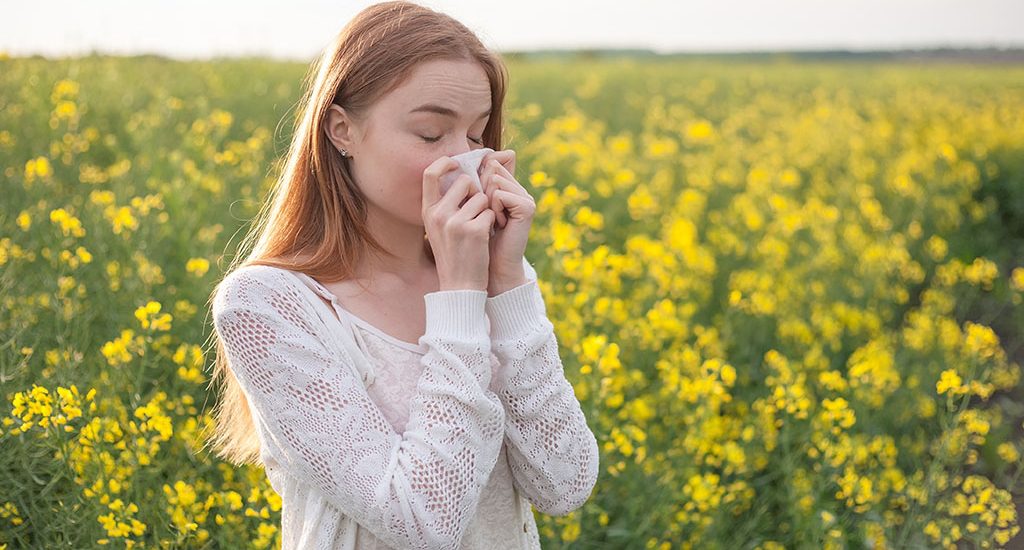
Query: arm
412,490
552,451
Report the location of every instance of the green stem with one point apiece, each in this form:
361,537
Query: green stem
947,423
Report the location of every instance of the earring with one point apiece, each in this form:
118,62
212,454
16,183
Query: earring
344,153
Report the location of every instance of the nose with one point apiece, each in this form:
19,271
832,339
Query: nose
458,151
468,146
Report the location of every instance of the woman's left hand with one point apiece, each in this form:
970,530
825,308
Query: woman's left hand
514,208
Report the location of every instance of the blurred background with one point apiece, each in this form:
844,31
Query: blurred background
781,244
199,29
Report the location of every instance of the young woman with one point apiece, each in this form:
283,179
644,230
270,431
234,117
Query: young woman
386,360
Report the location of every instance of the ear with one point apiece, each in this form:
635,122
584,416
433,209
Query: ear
340,129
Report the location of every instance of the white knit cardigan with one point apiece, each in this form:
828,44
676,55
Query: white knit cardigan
336,461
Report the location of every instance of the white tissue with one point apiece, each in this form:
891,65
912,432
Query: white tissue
469,163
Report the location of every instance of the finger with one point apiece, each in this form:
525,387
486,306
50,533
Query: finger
506,158
471,208
432,178
481,219
460,191
511,184
518,206
499,209
487,192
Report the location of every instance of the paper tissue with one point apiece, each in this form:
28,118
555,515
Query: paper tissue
469,163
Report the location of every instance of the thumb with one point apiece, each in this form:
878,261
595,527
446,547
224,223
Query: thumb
432,179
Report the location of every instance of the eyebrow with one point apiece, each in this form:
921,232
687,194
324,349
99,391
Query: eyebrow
431,108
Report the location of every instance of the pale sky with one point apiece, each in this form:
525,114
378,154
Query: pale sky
299,29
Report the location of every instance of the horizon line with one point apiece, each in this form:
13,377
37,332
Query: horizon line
582,50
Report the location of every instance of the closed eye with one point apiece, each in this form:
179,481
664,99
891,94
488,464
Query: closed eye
479,141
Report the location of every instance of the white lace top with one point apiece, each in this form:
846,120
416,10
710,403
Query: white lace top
374,442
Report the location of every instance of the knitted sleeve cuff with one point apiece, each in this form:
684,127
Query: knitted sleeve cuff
457,314
516,311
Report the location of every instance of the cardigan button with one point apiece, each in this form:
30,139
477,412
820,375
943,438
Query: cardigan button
524,527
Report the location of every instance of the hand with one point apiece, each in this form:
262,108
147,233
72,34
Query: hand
458,226
513,209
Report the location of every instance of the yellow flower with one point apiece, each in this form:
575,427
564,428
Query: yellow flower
101,198
571,531
64,88
950,381
221,118
585,217
975,423
65,109
37,168
937,247
190,359
698,131
982,272
121,218
641,203
147,316
837,410
541,179
119,351
197,266
728,374
83,255
982,341
1017,279
37,407
1008,452
662,147
564,236
832,380
69,225
23,220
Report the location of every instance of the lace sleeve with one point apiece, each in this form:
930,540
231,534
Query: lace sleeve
552,451
418,489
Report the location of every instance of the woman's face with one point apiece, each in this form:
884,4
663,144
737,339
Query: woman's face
440,110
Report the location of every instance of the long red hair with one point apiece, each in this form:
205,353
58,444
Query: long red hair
314,218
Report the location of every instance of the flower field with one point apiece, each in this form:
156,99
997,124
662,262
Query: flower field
788,295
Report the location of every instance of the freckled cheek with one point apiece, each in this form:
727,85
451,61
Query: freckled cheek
414,175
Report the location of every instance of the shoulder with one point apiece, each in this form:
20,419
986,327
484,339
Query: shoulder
252,287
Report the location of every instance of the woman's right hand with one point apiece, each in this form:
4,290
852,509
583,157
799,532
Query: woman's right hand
458,226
